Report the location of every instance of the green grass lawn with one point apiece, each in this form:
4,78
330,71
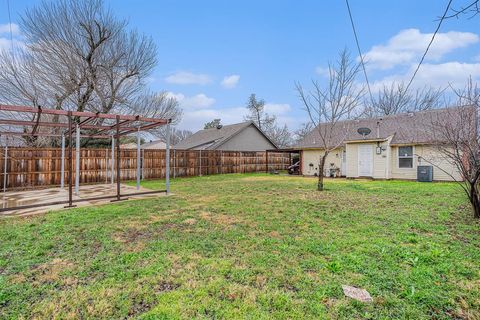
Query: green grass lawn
249,246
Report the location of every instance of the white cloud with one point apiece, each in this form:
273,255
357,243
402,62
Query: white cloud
198,101
183,77
436,75
408,45
195,119
277,108
322,71
5,28
7,44
231,81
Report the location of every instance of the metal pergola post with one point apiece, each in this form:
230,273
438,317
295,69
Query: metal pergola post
62,165
77,160
138,160
112,162
117,140
167,160
70,161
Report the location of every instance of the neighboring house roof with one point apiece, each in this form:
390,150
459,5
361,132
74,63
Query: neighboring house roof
405,128
157,144
129,145
212,139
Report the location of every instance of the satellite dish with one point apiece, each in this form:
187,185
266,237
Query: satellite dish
364,131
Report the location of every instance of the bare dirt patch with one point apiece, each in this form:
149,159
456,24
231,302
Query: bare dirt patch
219,218
50,271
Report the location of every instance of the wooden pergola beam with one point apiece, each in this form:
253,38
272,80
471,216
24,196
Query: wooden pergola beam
80,114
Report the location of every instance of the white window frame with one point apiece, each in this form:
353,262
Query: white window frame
403,157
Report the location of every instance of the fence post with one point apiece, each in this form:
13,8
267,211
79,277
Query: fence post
5,169
266,161
143,164
174,163
200,172
138,159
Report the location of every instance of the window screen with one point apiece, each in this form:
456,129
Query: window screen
405,157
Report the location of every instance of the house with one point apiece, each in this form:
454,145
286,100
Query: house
245,136
391,147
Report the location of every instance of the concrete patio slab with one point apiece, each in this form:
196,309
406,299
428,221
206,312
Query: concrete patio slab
42,196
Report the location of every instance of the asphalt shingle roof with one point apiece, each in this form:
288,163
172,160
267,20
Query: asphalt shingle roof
406,128
210,139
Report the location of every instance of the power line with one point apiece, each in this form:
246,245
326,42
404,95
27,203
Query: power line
428,47
359,50
10,23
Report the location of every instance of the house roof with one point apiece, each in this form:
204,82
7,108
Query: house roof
404,128
157,144
211,139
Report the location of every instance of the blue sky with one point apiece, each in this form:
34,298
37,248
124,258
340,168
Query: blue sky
213,54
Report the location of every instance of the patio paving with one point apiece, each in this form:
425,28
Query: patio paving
41,196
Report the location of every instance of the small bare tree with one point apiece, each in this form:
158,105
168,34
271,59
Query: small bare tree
457,138
328,106
257,114
395,99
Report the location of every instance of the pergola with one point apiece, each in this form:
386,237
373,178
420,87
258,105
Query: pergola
84,124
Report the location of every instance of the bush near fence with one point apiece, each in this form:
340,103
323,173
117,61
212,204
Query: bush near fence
31,167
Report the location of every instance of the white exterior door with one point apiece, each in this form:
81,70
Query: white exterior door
365,160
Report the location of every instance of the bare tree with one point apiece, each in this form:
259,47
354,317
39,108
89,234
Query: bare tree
257,114
77,56
301,133
178,135
328,105
281,136
457,138
155,105
395,99
212,124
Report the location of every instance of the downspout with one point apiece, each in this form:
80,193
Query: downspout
389,158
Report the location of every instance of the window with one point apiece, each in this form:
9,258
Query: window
405,157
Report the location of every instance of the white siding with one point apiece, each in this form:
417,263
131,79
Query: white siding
442,167
250,139
313,157
384,162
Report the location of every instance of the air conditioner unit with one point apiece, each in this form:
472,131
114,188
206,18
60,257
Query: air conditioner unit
425,173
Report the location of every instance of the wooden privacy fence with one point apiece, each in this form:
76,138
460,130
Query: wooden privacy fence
31,167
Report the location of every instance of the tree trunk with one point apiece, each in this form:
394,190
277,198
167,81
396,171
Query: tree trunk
321,172
475,201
